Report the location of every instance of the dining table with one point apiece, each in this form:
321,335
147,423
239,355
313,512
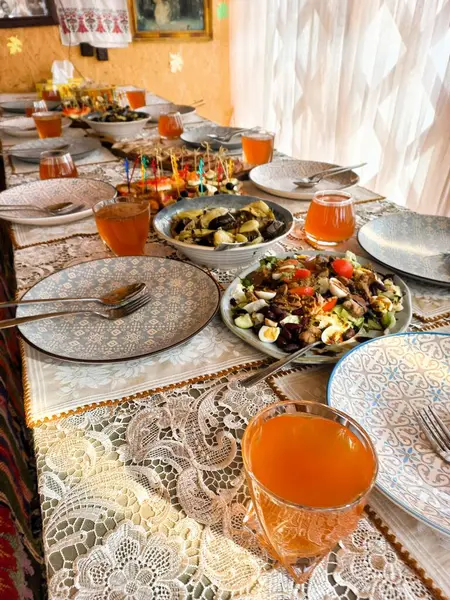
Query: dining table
140,474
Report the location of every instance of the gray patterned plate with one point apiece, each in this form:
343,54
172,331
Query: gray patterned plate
195,137
408,242
31,151
25,127
78,190
379,384
402,324
277,178
18,106
183,301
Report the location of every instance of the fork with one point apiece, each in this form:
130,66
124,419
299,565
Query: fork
110,315
435,430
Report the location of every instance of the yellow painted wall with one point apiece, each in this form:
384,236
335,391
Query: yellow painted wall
205,73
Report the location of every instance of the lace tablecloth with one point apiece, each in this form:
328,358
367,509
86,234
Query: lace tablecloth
142,488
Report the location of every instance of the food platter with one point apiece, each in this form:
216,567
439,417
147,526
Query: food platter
403,318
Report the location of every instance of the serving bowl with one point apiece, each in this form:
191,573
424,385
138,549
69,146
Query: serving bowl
127,129
231,258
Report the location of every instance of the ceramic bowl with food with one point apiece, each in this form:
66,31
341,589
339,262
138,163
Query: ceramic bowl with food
117,129
198,226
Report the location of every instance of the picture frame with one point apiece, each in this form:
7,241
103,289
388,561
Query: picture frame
27,13
188,20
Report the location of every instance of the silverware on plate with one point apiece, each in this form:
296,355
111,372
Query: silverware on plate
61,208
227,137
435,430
314,179
112,314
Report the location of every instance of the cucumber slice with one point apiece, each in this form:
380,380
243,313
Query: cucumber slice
244,322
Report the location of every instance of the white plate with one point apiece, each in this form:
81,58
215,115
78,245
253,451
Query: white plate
248,335
31,151
277,178
197,136
25,127
379,384
51,191
155,110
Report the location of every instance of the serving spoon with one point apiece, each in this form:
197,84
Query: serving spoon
60,208
116,297
314,179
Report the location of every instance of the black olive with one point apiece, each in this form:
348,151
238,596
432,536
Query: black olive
230,186
184,194
202,188
222,221
216,193
233,302
273,229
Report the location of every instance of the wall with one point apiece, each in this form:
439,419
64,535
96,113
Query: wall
205,73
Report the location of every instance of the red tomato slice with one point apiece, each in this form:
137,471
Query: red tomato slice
343,267
330,304
302,274
302,291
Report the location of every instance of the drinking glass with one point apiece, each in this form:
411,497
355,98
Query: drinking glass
257,147
136,98
331,218
123,224
48,124
305,450
51,94
170,125
33,106
56,163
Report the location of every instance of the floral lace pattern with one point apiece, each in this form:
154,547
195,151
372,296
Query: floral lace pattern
146,500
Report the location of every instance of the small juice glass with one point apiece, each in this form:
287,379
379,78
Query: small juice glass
56,163
48,124
123,224
51,94
136,98
331,218
309,469
257,147
170,125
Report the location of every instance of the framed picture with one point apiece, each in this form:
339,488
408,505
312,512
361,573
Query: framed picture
27,13
168,19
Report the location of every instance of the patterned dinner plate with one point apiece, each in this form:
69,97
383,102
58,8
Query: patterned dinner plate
78,190
379,384
19,106
278,178
25,126
183,301
411,244
31,151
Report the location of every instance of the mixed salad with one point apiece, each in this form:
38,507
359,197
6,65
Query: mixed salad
297,301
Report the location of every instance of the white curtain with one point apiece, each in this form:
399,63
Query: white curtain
348,81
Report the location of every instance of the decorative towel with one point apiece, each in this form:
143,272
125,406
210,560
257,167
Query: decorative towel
101,23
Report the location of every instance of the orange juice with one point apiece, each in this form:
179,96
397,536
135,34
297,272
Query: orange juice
136,98
257,147
330,218
170,126
123,226
48,124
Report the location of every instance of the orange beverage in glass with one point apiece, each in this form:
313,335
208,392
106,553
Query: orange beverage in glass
330,218
51,94
170,125
123,224
136,98
309,469
48,124
56,163
257,147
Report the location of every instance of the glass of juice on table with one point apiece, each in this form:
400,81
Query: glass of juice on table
309,469
123,224
170,125
33,106
48,124
257,147
56,163
136,98
331,218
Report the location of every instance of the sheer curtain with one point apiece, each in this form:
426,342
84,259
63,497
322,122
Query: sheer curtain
348,81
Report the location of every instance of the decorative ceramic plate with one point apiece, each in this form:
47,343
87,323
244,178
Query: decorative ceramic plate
31,151
78,190
25,126
18,106
402,324
183,301
408,242
196,137
379,384
278,178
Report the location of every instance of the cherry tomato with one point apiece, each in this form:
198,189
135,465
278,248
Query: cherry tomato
302,274
330,304
343,267
302,291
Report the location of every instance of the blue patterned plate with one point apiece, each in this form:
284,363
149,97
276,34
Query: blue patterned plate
379,384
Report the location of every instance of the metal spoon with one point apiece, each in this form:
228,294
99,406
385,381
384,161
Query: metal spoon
60,208
314,179
227,137
117,297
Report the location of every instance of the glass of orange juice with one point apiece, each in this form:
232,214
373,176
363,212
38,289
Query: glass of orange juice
123,224
136,98
48,124
170,125
257,147
309,469
331,218
56,163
